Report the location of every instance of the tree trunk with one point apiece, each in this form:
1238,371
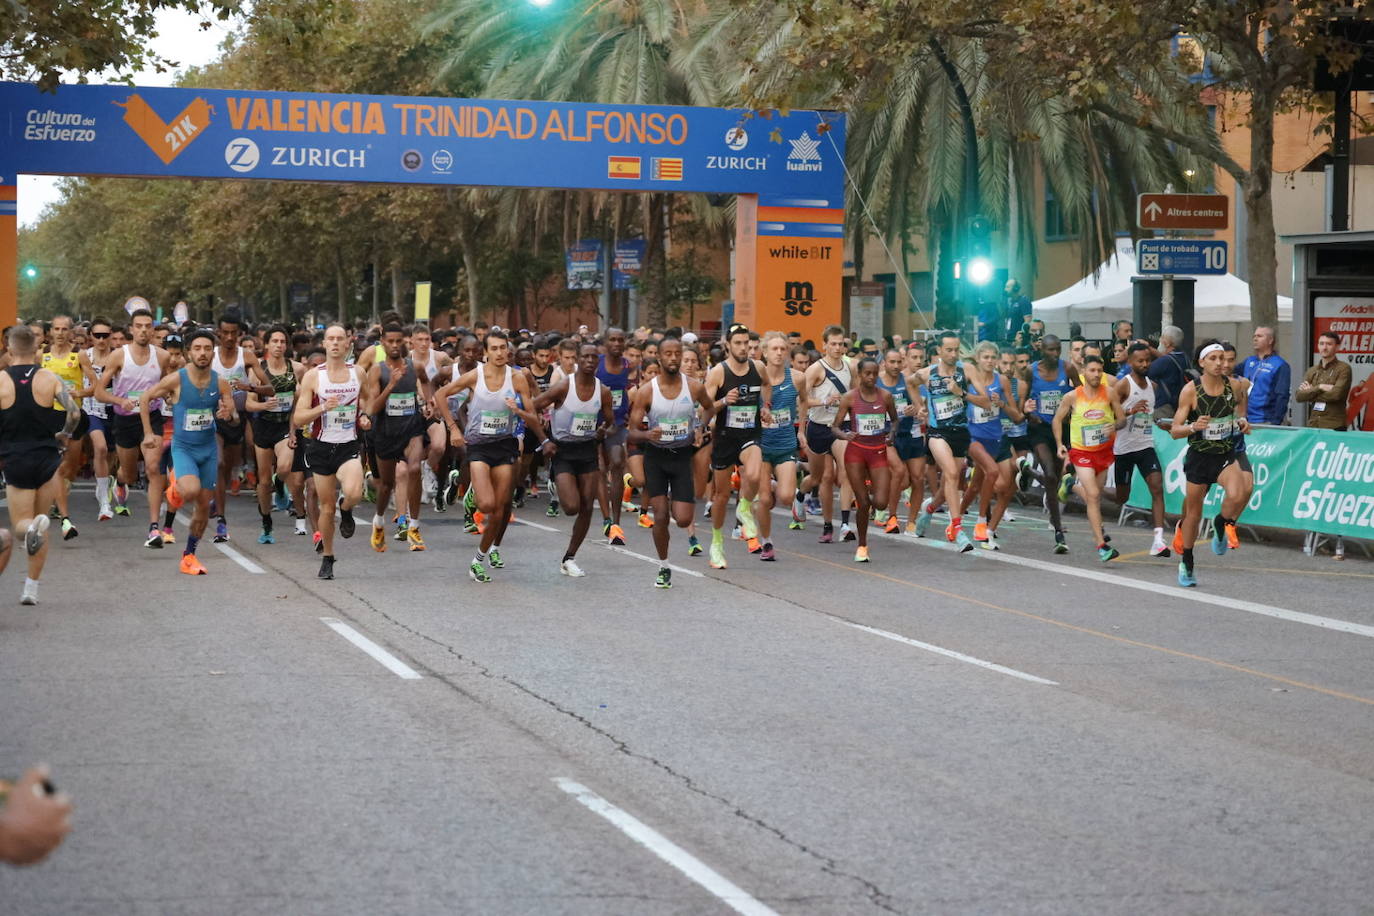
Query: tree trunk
376,289
464,232
1261,254
339,279
284,289
654,274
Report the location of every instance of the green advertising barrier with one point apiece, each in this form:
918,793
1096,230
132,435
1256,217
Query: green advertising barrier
1305,480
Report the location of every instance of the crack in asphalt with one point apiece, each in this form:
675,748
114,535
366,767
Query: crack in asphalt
876,895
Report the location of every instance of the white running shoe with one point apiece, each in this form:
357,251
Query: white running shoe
300,526
1158,547
30,595
570,568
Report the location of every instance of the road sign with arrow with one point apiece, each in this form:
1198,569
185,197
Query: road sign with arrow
1183,211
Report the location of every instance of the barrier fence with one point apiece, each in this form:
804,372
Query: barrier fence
1309,480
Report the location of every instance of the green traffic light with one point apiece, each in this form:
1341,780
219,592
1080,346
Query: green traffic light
30,271
979,271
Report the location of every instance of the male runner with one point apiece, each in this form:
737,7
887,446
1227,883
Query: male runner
947,435
872,415
97,415
129,371
661,421
274,438
737,386
398,429
539,374
489,436
32,430
73,367
436,367
1051,379
582,412
1209,413
614,372
459,479
198,396
1095,414
778,443
818,393
1134,446
241,366
328,404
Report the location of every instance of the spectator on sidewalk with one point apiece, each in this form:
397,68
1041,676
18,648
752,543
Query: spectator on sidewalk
1170,368
1326,386
1271,381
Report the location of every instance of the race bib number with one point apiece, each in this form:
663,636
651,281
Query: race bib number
984,414
617,398
1048,402
583,425
1220,428
198,420
1140,423
872,424
342,418
494,423
675,429
400,404
135,396
740,417
946,406
1094,436
779,418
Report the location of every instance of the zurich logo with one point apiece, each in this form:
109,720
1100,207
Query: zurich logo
736,138
241,154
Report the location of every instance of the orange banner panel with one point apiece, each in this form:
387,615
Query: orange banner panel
795,293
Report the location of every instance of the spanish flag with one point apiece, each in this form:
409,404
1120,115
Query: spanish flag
622,167
667,170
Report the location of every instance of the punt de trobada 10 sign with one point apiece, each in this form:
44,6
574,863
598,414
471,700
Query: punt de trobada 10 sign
214,133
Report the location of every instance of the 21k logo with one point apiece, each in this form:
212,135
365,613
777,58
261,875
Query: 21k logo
166,140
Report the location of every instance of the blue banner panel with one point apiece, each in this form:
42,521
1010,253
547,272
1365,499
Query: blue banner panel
214,133
584,264
1180,256
627,262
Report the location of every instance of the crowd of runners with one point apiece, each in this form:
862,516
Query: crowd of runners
314,424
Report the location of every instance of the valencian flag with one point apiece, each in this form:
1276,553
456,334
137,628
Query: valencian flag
667,169
622,167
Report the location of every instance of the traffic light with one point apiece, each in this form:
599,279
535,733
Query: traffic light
30,272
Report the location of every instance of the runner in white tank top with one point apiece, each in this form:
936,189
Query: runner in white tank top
1134,447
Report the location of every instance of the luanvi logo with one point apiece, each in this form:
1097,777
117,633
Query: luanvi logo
798,297
166,139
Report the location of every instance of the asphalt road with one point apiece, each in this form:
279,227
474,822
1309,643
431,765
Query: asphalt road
936,733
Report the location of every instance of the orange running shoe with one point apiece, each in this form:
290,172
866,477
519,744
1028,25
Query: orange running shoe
1232,537
646,520
734,480
1178,537
234,485
951,531
980,531
173,495
755,545
892,526
250,477
191,566
616,535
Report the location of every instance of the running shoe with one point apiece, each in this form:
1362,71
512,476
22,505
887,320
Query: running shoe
319,542
861,555
168,536
615,535
646,520
154,538
798,522
494,558
221,530
606,527
37,535
30,594
718,556
470,526
813,505
693,546
326,568
880,516
235,484
121,499
1025,473
1233,537
1218,538
1178,537
911,529
250,477
1157,546
664,579
570,568
280,501
1185,576
991,542
402,528
417,543
893,525
745,513
478,572
106,513
962,542
1060,544
1107,553
552,510
737,532
980,532
300,526
952,530
1065,487
755,545
827,534
847,532
68,529
451,491
518,498
346,523
767,553
924,518
191,566
439,504
378,539
1008,517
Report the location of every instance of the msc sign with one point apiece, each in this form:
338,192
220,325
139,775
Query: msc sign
798,298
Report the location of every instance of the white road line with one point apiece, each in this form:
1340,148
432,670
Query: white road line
1157,588
228,551
654,560
723,888
392,663
521,521
948,653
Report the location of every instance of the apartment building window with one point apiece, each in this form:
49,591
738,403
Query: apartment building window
1059,227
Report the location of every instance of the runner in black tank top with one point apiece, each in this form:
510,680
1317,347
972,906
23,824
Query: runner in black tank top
739,390
398,430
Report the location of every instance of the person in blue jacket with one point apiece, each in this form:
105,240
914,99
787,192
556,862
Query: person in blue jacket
1270,381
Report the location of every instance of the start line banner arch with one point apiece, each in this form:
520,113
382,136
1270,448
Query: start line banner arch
786,168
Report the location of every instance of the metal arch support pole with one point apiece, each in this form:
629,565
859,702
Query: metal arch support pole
9,255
